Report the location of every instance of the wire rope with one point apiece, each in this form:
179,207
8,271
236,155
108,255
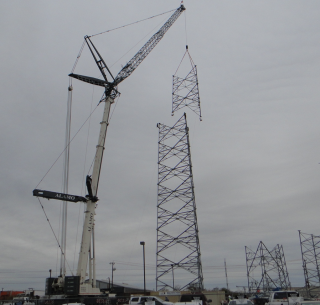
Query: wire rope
185,26
190,58
85,158
180,62
67,145
117,28
77,59
96,151
114,108
55,236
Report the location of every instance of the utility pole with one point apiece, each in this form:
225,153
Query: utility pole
172,277
142,243
225,268
113,269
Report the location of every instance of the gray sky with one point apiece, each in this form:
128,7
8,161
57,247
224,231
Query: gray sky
255,154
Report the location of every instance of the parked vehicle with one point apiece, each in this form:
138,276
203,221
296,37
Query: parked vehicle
310,302
142,299
241,301
284,298
196,299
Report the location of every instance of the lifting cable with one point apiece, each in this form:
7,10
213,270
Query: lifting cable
114,108
83,175
185,26
55,236
132,23
80,52
187,49
85,157
190,58
67,145
117,28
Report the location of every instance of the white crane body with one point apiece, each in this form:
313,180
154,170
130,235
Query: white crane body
87,243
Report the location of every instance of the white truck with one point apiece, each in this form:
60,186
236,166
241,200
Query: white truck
150,300
284,298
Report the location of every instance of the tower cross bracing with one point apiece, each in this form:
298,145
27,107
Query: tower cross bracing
310,252
178,247
271,267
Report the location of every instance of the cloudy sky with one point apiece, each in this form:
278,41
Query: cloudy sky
255,155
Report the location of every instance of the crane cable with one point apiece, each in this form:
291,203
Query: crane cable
67,145
190,58
187,48
117,28
55,236
114,108
79,54
132,23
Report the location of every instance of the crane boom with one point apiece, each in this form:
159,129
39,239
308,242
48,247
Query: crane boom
134,62
89,288
147,48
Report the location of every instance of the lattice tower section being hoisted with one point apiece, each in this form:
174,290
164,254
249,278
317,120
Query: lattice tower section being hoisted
178,247
310,252
185,90
270,265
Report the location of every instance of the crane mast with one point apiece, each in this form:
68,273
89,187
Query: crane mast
88,225
87,242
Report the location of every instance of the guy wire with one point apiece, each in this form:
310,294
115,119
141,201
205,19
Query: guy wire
53,231
132,23
67,145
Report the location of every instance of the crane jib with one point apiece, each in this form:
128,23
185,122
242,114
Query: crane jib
148,47
58,196
132,64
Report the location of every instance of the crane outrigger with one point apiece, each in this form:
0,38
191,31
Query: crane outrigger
78,285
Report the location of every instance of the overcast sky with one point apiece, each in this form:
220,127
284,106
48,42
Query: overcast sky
255,155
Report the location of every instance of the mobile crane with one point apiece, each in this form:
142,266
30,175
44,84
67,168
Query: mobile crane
77,285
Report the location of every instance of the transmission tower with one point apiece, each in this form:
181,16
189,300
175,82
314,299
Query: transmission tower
185,90
178,246
272,268
310,252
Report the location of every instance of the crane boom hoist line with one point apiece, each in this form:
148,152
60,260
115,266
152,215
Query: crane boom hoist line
132,64
111,92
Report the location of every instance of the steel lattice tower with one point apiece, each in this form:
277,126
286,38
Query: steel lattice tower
185,90
310,252
178,247
272,265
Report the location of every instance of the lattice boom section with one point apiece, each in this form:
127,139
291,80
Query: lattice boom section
185,92
178,249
